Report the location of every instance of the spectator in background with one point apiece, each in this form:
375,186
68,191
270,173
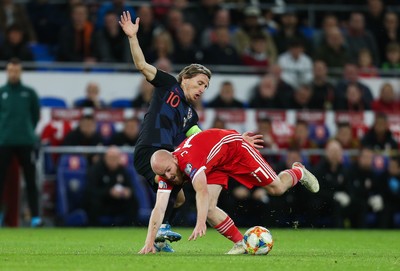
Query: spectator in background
162,47
302,98
251,28
289,30
379,137
85,134
358,37
173,22
92,98
390,33
222,18
110,192
19,115
142,100
333,50
346,138
301,137
226,97
265,94
218,123
15,45
264,128
111,45
116,6
387,101
353,100
323,91
14,13
255,55
46,20
297,67
333,199
201,15
129,134
285,91
269,22
75,39
329,21
222,52
350,76
367,68
392,62
374,17
366,190
147,27
186,50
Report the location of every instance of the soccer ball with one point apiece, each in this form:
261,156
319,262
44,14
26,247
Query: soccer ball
258,241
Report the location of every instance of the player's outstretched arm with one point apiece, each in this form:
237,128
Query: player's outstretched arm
131,29
155,221
254,139
200,186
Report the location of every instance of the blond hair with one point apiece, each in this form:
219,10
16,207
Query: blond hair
192,70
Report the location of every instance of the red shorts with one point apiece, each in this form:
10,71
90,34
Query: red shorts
246,166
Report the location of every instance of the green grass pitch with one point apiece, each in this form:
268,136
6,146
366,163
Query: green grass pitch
116,249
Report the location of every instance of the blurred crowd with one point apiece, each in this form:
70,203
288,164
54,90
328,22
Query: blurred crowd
357,191
213,32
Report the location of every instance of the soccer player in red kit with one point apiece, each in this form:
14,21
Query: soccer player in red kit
208,159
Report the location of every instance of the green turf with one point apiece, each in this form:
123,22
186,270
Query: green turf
116,249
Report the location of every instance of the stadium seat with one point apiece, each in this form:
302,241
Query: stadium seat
71,185
121,103
106,131
50,101
380,164
143,192
319,134
41,52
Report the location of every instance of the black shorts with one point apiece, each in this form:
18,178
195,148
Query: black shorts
141,161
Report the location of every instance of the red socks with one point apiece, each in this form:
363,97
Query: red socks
296,174
228,229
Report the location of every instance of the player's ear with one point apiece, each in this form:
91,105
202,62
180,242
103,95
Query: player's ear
175,159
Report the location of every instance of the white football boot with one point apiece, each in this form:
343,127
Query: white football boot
238,248
308,180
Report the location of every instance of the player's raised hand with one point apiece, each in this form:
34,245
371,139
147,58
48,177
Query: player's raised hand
148,249
128,27
199,231
254,139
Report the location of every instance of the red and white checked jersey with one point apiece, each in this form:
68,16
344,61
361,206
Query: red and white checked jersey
222,153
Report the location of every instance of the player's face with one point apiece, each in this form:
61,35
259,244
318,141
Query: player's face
14,72
172,173
194,87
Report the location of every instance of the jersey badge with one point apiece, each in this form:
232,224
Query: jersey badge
188,169
162,185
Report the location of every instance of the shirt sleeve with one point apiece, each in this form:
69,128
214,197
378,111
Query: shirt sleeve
164,186
163,79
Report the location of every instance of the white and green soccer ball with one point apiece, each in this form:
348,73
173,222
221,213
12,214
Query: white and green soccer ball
258,241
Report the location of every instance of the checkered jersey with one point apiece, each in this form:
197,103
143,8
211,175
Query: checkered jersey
169,116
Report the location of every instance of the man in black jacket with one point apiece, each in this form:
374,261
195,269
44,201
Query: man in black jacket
111,197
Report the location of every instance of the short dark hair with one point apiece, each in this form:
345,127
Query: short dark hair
14,61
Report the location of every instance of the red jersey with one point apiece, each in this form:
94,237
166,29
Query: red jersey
221,154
